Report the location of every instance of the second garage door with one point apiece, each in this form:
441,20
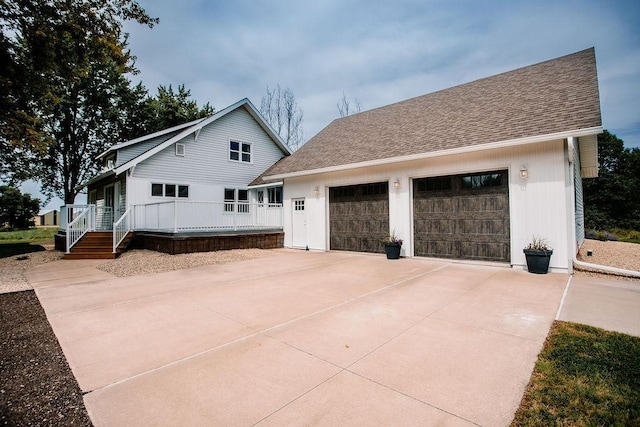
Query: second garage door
462,216
359,217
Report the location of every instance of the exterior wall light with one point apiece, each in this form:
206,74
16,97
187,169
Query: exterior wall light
396,183
316,191
524,173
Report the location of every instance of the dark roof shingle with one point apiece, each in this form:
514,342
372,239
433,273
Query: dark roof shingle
553,96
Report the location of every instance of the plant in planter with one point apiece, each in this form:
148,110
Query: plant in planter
392,245
538,255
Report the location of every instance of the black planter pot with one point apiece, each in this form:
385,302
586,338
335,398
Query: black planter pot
392,250
538,261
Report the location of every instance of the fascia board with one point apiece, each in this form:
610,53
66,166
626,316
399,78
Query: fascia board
147,137
441,153
271,184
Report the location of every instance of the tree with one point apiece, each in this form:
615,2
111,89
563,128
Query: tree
16,209
280,109
67,95
171,108
611,200
345,107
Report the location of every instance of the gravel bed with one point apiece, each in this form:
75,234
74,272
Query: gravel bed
613,254
12,278
37,387
142,261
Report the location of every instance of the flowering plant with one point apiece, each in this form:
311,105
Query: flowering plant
392,238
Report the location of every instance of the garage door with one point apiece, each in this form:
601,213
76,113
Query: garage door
462,216
359,217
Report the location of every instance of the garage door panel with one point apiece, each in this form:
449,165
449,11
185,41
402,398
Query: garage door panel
487,227
463,216
437,248
359,217
484,251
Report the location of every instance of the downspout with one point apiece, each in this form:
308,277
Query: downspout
605,268
615,270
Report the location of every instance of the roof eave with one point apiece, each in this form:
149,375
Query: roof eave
268,184
461,150
134,141
96,178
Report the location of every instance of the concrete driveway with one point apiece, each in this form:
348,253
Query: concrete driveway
303,338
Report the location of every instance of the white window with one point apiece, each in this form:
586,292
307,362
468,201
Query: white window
298,205
275,195
179,149
233,197
243,201
239,151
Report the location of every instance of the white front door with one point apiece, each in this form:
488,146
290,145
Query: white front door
299,226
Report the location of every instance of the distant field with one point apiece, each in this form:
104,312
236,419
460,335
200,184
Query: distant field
32,235
25,241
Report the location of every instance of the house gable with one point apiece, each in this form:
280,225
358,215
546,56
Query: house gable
206,158
195,130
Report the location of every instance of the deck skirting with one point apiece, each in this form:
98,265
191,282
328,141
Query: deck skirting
189,243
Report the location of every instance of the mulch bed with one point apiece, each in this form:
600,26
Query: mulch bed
36,383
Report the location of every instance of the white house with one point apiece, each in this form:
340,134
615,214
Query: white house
194,177
471,172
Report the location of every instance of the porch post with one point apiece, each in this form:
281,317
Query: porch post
235,216
175,216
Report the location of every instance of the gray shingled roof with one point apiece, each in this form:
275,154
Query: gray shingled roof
550,97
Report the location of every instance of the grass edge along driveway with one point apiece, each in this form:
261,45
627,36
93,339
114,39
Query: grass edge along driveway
584,376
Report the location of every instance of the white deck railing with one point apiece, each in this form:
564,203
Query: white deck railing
171,216
121,228
83,221
185,216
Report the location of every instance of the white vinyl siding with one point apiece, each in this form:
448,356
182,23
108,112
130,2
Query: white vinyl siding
208,159
127,153
535,203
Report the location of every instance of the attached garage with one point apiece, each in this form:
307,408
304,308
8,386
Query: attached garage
359,217
462,216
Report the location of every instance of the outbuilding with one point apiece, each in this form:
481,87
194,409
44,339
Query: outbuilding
471,172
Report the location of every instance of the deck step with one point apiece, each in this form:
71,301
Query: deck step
98,245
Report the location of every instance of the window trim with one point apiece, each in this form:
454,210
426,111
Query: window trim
240,152
180,149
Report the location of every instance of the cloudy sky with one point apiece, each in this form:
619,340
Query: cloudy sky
381,52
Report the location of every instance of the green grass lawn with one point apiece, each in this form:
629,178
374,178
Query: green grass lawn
25,241
584,376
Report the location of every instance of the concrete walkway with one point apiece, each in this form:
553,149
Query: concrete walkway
603,302
302,338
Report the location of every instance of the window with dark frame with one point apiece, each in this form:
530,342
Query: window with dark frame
157,190
229,199
169,190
